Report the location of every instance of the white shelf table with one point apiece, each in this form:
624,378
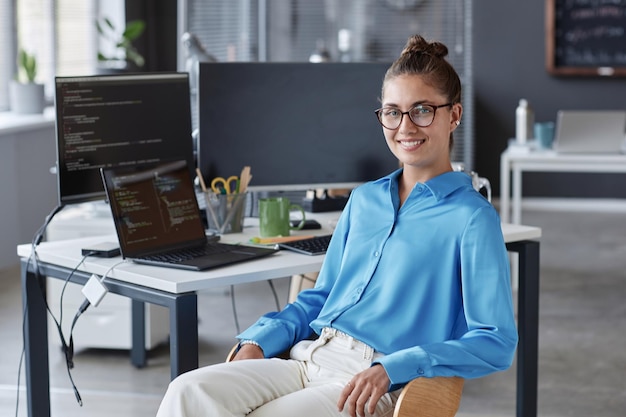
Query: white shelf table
513,163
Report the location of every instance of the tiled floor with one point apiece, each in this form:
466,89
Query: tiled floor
582,360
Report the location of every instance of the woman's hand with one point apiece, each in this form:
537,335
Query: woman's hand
366,387
249,352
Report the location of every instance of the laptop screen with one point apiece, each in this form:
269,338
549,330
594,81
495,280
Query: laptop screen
154,208
590,131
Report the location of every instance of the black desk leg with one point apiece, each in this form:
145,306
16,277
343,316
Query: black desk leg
36,344
528,328
183,334
138,348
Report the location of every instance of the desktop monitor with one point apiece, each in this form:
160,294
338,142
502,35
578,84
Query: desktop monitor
112,120
299,126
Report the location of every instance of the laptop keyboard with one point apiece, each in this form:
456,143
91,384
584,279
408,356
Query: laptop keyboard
190,253
313,246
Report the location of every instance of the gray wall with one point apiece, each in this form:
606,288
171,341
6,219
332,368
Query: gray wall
509,64
27,188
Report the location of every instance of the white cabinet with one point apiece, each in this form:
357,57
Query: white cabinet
108,325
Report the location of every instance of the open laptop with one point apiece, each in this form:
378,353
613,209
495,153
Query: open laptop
591,131
158,220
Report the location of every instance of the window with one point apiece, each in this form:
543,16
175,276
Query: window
76,37
7,54
60,33
371,30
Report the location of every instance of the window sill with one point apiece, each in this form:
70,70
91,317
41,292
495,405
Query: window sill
15,123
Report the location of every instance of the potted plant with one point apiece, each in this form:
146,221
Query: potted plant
125,55
26,95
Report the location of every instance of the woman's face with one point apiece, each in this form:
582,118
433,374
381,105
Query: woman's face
422,149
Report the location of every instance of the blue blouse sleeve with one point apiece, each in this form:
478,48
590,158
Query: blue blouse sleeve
277,331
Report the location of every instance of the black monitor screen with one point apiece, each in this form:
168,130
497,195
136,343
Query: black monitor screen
114,120
298,125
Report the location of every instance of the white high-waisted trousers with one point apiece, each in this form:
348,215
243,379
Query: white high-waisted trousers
308,385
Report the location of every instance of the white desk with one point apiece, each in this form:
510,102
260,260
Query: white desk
177,290
66,254
514,163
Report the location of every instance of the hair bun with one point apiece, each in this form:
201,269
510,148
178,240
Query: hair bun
418,45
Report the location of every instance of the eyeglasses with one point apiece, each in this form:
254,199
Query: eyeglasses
422,115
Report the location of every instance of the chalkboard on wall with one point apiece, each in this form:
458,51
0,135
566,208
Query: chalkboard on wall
586,37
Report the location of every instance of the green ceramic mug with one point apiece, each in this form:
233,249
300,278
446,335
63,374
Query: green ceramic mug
274,216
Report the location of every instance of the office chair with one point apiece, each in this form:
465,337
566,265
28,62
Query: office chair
422,397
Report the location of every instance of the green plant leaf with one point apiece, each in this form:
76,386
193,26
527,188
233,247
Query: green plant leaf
104,58
109,23
123,44
134,29
27,65
135,57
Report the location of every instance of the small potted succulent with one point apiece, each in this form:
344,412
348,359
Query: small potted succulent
26,95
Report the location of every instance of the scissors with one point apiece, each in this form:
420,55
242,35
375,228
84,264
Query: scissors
219,185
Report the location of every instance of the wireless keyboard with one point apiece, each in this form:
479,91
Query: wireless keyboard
312,246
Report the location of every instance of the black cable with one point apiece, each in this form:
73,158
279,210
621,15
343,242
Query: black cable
37,238
269,281
232,302
65,284
19,371
68,349
42,230
70,354
19,367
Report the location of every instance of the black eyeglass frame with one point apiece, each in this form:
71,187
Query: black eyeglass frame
379,111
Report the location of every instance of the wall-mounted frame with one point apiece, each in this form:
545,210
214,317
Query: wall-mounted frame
586,38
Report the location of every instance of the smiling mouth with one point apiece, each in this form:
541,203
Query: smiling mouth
411,143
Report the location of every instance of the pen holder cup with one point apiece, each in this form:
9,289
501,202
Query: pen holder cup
225,212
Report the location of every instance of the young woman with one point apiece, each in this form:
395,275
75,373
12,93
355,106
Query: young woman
415,282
